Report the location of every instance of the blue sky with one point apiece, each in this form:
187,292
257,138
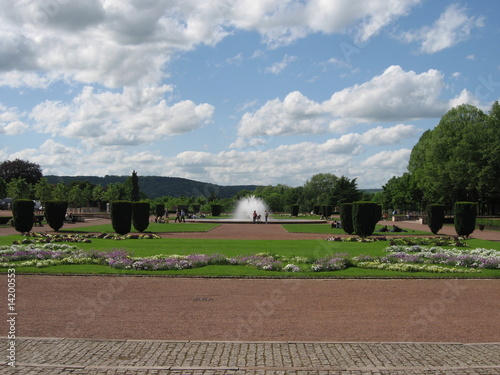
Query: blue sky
238,92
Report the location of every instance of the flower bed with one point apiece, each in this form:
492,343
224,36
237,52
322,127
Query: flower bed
34,237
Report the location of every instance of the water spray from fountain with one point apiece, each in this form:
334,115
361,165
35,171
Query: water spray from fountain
246,206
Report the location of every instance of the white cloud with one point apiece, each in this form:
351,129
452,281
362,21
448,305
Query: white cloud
380,136
121,43
278,67
10,121
395,95
296,114
131,117
452,27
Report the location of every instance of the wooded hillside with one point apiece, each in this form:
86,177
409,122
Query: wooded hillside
155,186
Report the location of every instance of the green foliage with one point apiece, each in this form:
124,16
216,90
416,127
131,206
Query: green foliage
55,212
20,169
3,188
346,217
465,218
435,217
345,191
216,209
458,160
121,216
140,215
18,188
43,190
319,190
23,214
134,190
365,215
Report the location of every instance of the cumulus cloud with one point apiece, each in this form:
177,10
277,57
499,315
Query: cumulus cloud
131,117
395,95
452,27
122,43
10,121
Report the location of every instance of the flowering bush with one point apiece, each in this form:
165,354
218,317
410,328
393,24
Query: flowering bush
335,262
291,268
405,267
34,237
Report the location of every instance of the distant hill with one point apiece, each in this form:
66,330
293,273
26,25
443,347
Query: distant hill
154,186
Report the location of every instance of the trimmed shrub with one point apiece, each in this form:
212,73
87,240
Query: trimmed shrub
346,217
184,207
121,216
216,209
465,218
140,215
55,213
196,208
159,210
435,217
23,214
317,210
365,215
294,208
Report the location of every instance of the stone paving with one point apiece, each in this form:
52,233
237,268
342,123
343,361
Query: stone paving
54,356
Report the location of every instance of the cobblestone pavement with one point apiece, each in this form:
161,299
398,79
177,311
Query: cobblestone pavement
54,356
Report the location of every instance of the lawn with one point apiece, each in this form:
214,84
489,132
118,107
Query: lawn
283,249
327,229
152,228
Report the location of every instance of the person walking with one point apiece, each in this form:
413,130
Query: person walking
183,216
265,216
254,217
177,216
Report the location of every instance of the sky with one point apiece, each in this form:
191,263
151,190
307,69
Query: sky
237,92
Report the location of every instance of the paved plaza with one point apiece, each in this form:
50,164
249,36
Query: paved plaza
88,325
37,356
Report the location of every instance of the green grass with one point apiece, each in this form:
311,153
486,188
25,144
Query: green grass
305,248
152,228
327,229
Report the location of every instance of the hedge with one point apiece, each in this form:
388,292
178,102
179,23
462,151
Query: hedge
216,209
365,215
346,217
121,216
55,213
140,215
465,218
435,217
23,214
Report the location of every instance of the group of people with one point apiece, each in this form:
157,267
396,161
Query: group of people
257,218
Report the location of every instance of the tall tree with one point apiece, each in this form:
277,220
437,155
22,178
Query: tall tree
458,159
134,190
319,189
345,191
18,188
18,168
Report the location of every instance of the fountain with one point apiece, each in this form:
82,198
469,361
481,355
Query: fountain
246,206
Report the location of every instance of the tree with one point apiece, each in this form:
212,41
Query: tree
140,215
114,191
346,217
319,189
18,188
458,159
134,191
345,191
3,188
18,169
365,215
435,217
465,218
60,192
23,214
55,213
43,190
121,216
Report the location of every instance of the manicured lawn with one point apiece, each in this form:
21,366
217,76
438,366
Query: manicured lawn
327,229
152,228
231,248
